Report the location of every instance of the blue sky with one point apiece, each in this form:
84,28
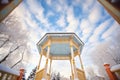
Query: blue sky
87,18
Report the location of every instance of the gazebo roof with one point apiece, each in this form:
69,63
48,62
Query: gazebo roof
60,44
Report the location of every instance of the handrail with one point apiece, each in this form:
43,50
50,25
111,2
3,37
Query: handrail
111,74
79,70
39,74
81,74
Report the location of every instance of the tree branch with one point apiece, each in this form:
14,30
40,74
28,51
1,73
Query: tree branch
4,43
4,59
19,60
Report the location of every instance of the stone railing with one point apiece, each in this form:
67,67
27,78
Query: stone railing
7,73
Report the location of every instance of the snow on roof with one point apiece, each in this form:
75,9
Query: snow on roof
8,70
115,68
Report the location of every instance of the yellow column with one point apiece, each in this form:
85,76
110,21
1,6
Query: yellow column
46,65
81,62
50,66
40,59
80,59
75,72
72,72
73,62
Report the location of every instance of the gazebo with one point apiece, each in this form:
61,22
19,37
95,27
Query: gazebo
60,46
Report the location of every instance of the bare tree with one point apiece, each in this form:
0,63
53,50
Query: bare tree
3,39
19,60
114,55
11,51
12,38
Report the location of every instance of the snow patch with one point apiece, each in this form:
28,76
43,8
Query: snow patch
115,67
8,70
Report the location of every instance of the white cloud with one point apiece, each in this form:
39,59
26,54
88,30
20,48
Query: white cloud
61,22
37,10
72,21
84,37
35,7
77,2
33,36
86,28
88,23
48,2
59,7
25,15
87,4
99,30
110,31
95,14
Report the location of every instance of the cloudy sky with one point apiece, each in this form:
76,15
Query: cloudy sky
87,18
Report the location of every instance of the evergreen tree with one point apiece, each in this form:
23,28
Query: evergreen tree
58,76
32,74
23,77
